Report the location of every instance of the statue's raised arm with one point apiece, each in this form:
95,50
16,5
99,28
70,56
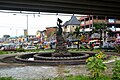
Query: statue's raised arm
59,32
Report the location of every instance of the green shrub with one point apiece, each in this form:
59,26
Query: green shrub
101,78
20,50
96,66
37,46
116,70
82,47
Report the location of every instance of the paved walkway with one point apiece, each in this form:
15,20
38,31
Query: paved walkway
113,60
38,72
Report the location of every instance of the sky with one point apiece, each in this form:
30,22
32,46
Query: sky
14,25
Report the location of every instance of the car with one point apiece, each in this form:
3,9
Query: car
8,47
97,45
30,48
95,42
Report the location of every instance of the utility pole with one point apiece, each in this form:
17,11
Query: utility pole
27,27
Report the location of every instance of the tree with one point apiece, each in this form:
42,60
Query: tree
99,27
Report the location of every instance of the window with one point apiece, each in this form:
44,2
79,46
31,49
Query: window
65,26
87,26
82,22
111,20
101,18
90,25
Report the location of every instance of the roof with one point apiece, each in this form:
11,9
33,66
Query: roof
72,21
66,23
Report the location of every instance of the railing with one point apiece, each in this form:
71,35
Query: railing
99,21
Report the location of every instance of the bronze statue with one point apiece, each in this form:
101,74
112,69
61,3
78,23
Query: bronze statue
61,48
59,32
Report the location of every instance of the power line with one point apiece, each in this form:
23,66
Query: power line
10,27
40,13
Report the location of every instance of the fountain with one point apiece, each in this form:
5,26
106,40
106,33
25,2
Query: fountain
61,49
58,57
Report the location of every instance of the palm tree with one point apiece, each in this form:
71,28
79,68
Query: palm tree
76,33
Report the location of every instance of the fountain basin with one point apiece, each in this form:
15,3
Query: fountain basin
47,59
47,56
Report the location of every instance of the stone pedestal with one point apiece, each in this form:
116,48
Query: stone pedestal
61,48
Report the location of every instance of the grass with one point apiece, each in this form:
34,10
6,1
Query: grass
47,50
4,52
77,50
70,77
21,50
7,78
80,77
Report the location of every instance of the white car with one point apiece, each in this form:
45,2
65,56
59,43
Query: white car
30,48
95,42
97,45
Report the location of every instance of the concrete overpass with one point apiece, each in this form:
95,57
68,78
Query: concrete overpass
88,7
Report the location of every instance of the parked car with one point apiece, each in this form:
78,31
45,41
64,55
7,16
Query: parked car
30,48
96,45
8,47
95,42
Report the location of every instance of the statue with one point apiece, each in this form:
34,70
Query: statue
61,48
59,32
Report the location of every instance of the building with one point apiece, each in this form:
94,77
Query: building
51,33
111,27
70,26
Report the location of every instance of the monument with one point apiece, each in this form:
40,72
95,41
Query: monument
61,48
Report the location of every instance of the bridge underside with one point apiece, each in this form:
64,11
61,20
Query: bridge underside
88,7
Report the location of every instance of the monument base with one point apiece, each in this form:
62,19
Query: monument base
61,48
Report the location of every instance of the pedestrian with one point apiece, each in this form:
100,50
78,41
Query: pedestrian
51,46
92,46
